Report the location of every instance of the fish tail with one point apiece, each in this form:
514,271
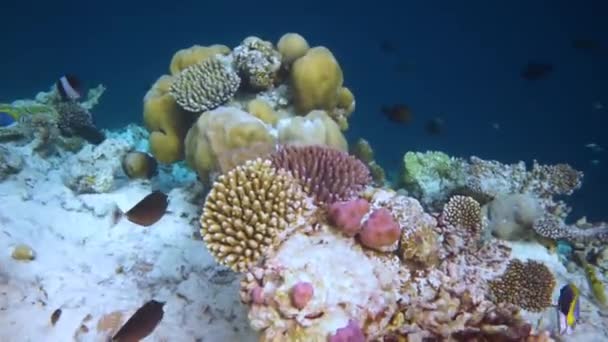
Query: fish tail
117,214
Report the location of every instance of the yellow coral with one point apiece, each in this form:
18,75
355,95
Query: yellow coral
263,111
292,46
166,121
246,211
193,55
225,137
316,128
346,100
316,79
363,150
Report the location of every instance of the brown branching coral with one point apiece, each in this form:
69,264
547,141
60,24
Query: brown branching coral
463,211
205,85
553,227
528,285
246,211
327,174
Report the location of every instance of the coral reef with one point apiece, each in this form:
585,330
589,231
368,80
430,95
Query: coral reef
246,212
10,163
326,174
94,168
257,62
292,46
528,285
363,150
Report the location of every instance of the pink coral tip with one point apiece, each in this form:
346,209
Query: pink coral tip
380,229
350,333
301,294
257,295
347,215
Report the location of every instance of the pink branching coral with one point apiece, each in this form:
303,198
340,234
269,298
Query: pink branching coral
347,215
380,230
327,174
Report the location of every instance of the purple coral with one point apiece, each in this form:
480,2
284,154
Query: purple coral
350,333
327,174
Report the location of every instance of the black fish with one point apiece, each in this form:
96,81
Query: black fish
434,126
55,316
90,134
399,113
142,323
534,71
146,212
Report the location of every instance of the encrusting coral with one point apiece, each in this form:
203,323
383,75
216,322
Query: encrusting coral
528,285
257,62
205,85
246,212
327,174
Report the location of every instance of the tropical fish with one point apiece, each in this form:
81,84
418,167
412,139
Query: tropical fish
534,71
399,113
594,147
434,126
142,323
55,316
146,212
7,119
568,308
69,87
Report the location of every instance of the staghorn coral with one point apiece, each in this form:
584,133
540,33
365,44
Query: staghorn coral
246,212
463,211
205,85
528,285
326,174
257,62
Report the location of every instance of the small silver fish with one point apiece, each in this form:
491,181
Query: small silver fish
496,126
594,147
598,105
595,162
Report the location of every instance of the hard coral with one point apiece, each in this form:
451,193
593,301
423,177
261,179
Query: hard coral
552,227
380,230
315,128
326,174
463,211
205,85
193,55
257,62
247,210
558,179
292,46
347,215
528,285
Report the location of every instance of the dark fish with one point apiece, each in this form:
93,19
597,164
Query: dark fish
388,47
55,316
534,71
142,323
586,44
399,113
146,212
568,307
90,134
69,87
434,126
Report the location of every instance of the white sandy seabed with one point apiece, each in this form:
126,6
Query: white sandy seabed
90,269
99,274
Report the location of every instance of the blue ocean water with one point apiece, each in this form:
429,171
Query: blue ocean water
458,61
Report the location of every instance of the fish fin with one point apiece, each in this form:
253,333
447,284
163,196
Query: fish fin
117,215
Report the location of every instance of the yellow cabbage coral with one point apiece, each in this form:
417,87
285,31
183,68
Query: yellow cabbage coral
166,121
316,79
193,55
226,137
247,210
316,128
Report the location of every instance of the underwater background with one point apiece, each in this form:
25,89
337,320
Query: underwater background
460,61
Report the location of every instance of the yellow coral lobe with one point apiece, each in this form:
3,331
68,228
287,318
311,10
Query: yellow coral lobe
263,111
316,79
193,55
292,46
316,128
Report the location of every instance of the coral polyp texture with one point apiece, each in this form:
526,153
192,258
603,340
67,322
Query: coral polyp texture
205,85
528,285
463,211
246,212
326,174
294,93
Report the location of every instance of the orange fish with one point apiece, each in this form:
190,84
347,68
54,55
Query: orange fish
142,323
146,212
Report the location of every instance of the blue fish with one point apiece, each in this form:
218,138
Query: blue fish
568,308
6,119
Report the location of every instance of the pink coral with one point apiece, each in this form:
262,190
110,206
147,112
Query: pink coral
301,294
257,295
350,333
380,229
347,215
